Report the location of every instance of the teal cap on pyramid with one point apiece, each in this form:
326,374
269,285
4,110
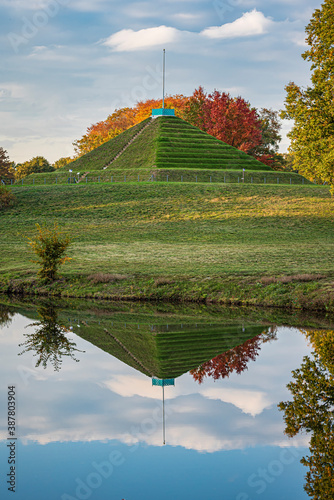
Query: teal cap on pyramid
162,112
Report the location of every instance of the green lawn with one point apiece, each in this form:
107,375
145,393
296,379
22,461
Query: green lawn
194,236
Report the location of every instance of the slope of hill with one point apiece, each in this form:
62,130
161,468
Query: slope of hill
170,142
98,158
180,145
166,149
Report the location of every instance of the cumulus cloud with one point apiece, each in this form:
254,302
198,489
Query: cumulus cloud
299,38
249,24
127,40
249,401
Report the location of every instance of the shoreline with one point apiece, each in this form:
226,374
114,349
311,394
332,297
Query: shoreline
302,292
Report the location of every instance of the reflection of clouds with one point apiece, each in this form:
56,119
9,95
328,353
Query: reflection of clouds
248,401
200,425
102,399
132,385
252,402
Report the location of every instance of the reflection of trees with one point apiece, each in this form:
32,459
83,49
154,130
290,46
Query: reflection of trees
49,340
5,315
312,410
234,360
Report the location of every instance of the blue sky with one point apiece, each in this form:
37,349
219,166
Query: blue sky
223,432
69,63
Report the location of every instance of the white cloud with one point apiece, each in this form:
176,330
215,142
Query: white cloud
187,16
53,53
249,401
249,24
127,40
12,90
299,38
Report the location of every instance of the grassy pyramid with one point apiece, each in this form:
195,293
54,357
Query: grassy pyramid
98,158
181,145
167,142
170,142
166,149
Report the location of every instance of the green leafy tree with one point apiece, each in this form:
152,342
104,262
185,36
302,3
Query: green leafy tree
62,162
267,150
311,108
312,410
49,341
50,246
6,170
194,111
33,166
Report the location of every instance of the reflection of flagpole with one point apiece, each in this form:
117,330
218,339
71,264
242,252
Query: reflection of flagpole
163,416
162,382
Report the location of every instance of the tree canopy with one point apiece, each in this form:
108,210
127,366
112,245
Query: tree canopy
33,166
6,171
230,119
311,410
311,108
64,160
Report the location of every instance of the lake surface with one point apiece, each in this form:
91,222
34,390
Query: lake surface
141,402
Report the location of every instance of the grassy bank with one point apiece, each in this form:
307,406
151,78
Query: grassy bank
230,243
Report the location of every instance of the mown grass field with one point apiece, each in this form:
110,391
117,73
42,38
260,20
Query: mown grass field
190,241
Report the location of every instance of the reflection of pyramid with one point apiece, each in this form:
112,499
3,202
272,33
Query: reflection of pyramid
167,351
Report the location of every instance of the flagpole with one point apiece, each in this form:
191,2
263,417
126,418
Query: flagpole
163,78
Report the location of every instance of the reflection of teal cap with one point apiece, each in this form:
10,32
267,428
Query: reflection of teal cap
162,112
162,382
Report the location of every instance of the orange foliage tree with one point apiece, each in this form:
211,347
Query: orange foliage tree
230,119
122,119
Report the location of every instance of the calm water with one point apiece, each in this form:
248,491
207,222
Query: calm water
134,403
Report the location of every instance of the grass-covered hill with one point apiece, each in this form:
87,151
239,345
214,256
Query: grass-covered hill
166,149
170,142
180,145
160,340
99,158
167,142
235,243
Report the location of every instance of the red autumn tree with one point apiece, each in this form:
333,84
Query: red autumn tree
232,120
234,360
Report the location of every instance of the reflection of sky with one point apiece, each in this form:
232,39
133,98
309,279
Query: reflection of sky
101,400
